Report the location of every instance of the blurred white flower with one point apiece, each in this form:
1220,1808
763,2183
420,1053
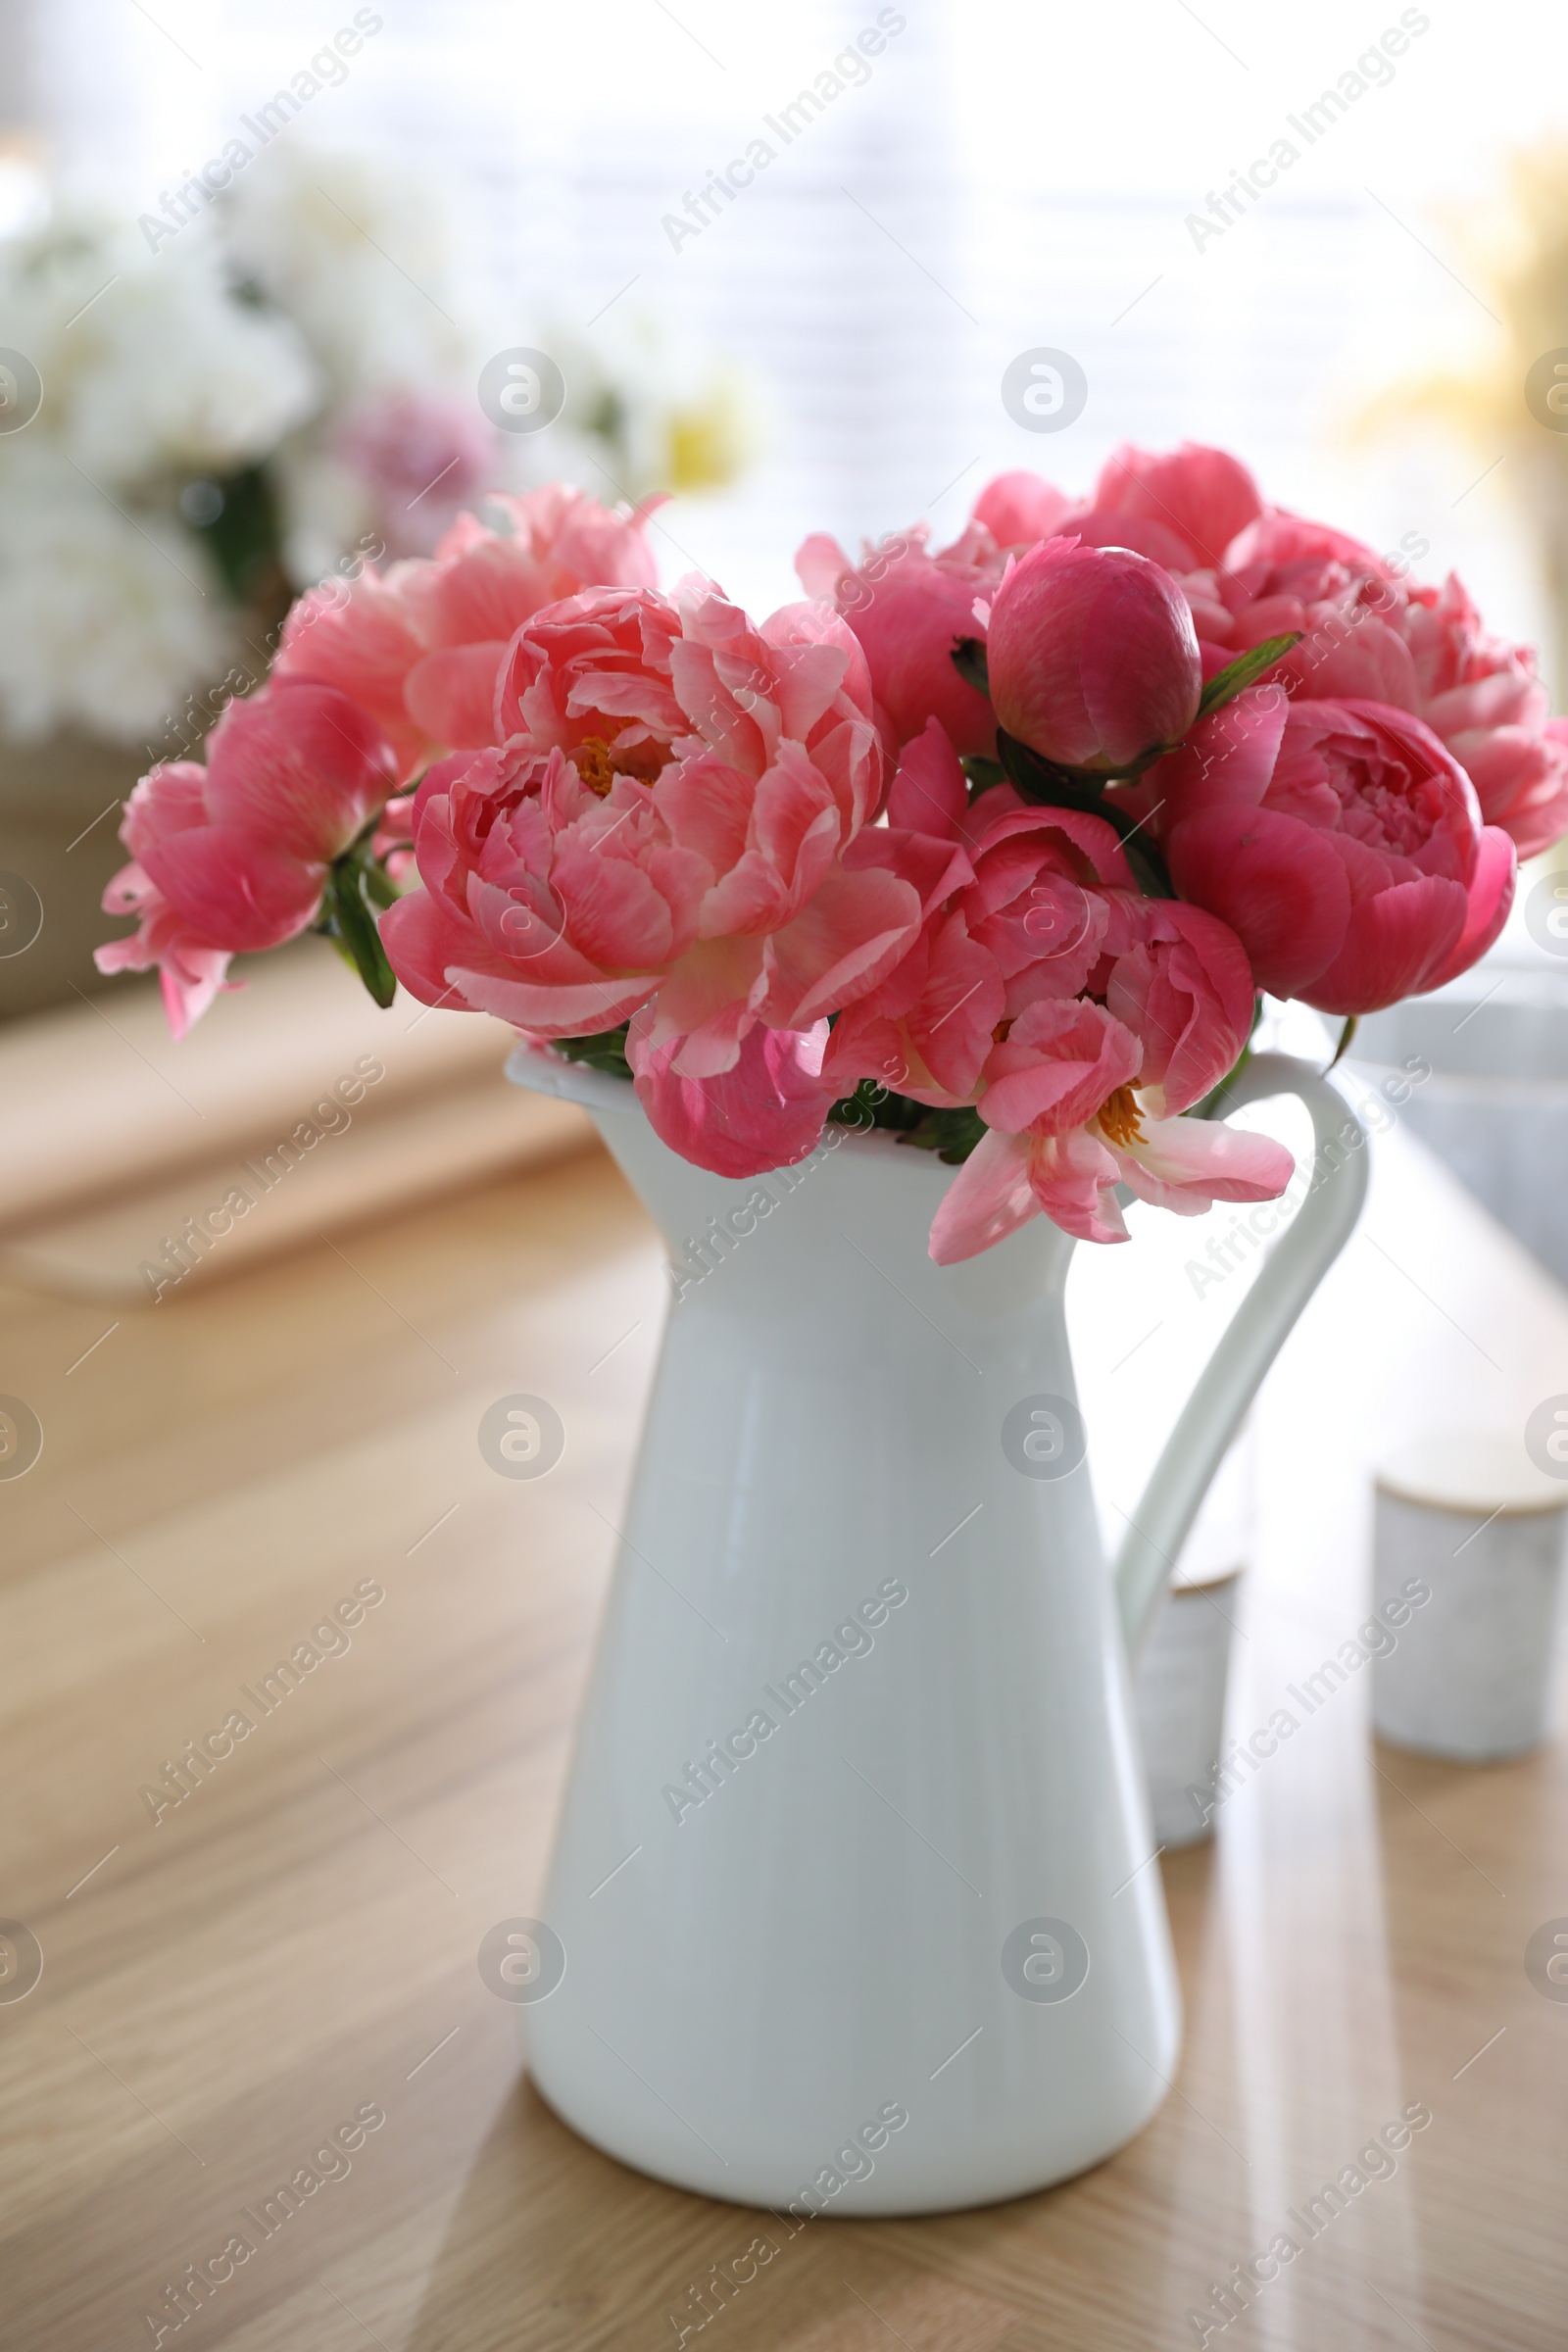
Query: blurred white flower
108,618
650,406
292,378
362,256
151,364
363,259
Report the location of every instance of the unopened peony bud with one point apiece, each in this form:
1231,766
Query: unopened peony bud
1093,657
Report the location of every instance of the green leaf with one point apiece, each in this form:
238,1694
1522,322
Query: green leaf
982,774
969,661
1051,787
352,924
1039,779
605,1051
951,1134
378,885
1227,683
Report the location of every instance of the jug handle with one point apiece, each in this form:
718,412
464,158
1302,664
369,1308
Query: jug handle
1290,1274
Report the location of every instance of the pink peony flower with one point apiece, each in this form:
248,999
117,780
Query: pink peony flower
1181,1164
1071,1083
420,646
1340,842
1371,635
910,610
234,857
766,1111
1019,508
1048,992
1093,657
1480,696
1197,498
669,831
1181,509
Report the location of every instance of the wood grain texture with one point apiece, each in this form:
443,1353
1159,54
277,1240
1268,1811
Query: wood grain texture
296,1940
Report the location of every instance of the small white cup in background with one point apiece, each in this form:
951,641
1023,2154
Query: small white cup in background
1469,1520
1179,1692
1180,1682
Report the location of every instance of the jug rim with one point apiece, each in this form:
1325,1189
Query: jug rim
543,1072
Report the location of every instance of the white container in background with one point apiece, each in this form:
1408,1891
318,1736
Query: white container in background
1467,1520
1479,1071
1179,1693
1179,1684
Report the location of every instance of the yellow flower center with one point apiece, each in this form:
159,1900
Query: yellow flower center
1119,1118
598,762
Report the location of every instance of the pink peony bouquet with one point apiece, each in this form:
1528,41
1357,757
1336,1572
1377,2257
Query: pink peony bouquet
992,849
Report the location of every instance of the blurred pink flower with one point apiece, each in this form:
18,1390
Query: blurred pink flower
420,646
1017,509
421,459
1189,502
234,857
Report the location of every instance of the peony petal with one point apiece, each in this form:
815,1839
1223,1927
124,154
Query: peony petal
930,793
1017,509
1391,942
300,765
1279,884
451,695
848,938
1227,760
1186,1165
362,640
766,1111
1490,897
1204,494
232,892
990,1198
1060,1062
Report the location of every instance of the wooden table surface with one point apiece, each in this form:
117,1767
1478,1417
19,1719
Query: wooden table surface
293,1945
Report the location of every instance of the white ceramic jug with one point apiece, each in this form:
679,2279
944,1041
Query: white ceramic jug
851,1906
